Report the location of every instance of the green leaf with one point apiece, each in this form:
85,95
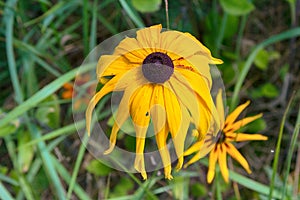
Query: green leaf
49,114
146,5
98,168
25,154
269,90
198,190
122,188
237,7
262,59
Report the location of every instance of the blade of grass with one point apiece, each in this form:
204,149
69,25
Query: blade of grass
277,151
77,165
66,176
43,93
251,184
290,154
9,19
273,39
46,159
221,33
53,9
85,27
23,183
9,180
107,25
93,35
83,147
132,15
4,194
66,130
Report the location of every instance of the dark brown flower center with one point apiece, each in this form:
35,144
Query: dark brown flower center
221,137
157,67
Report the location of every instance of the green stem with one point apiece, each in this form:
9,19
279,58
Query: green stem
277,151
167,14
290,153
221,33
240,36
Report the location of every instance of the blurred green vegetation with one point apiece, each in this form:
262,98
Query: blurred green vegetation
42,44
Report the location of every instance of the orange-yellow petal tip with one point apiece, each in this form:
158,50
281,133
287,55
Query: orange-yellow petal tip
156,26
109,150
144,175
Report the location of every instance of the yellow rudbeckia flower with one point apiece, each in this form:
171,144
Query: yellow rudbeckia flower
165,76
223,143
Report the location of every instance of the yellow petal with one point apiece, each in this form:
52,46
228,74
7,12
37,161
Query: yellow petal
234,153
223,163
204,50
197,83
158,116
220,107
107,88
131,49
194,159
122,113
149,38
195,63
237,125
110,65
207,110
186,96
161,138
195,147
213,156
139,110
208,144
185,45
117,83
232,116
178,122
240,137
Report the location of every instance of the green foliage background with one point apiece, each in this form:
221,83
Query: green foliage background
43,42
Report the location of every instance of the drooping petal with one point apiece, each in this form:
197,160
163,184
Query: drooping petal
107,88
213,156
158,116
186,96
178,122
139,110
122,113
207,110
197,83
240,137
110,65
223,162
232,116
237,125
117,83
233,152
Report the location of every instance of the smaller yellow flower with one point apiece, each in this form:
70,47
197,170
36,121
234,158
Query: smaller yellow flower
223,143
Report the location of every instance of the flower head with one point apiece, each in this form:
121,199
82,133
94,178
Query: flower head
222,144
165,77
